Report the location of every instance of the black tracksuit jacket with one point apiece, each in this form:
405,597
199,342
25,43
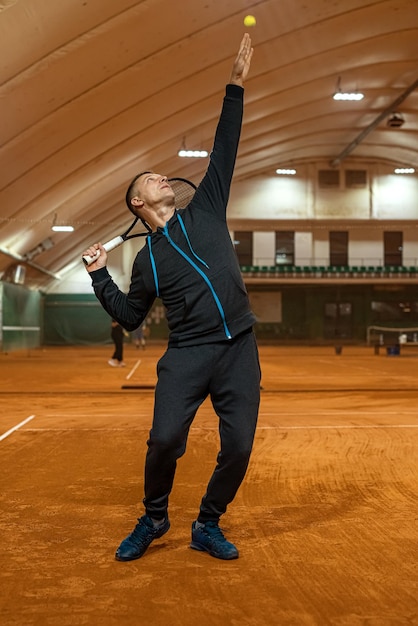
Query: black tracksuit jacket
191,263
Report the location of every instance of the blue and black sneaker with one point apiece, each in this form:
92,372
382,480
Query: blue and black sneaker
209,538
135,545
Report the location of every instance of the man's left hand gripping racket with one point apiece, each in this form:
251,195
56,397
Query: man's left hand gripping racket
184,191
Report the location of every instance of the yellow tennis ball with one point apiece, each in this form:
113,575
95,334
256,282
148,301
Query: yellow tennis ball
249,20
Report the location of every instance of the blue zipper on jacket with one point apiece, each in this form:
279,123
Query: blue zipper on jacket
154,267
193,264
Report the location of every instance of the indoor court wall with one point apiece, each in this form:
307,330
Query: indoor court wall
20,317
302,315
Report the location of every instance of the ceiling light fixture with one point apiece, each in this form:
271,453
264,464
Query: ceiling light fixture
61,228
395,120
404,170
183,152
346,95
339,95
286,172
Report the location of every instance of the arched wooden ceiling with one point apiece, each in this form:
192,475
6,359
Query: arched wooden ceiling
93,91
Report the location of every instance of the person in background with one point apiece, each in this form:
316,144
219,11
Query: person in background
139,336
117,334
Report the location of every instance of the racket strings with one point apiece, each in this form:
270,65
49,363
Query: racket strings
184,191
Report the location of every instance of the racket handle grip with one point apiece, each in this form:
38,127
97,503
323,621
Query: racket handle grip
108,246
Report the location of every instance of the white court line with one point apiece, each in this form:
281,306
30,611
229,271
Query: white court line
340,427
12,430
133,369
214,427
348,412
279,414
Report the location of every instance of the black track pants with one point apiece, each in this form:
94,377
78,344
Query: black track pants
230,373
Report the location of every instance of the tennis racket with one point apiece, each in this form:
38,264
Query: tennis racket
184,191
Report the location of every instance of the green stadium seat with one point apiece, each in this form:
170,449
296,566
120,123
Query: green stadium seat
337,270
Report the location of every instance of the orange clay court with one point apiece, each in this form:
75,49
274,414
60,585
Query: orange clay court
326,520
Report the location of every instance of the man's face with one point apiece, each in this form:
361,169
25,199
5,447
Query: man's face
153,190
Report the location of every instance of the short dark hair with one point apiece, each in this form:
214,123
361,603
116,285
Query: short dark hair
130,192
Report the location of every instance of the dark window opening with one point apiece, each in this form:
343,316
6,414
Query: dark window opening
355,179
328,178
393,248
338,247
243,241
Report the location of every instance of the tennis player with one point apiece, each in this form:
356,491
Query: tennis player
190,263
